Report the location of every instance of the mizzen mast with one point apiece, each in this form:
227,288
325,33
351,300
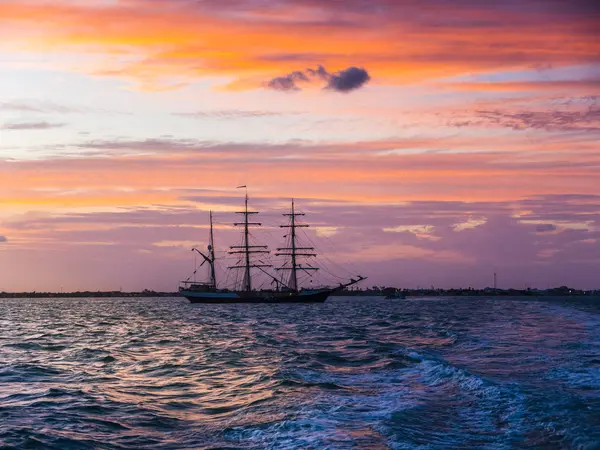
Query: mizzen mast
210,259
294,251
246,249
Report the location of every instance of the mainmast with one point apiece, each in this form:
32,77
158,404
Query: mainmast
293,250
246,249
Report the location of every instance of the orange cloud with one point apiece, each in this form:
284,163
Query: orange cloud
171,40
371,172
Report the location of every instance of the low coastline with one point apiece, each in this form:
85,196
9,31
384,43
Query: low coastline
562,291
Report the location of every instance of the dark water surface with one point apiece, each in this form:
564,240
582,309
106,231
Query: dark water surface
351,373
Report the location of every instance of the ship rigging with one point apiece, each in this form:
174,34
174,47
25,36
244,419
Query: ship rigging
287,288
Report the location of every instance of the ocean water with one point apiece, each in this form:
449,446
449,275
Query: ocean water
430,373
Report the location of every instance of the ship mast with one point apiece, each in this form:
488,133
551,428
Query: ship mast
293,250
210,259
211,249
246,249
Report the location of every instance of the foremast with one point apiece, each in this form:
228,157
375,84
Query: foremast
246,249
294,251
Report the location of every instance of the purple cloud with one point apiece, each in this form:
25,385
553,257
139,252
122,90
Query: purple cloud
287,82
30,126
320,72
156,240
556,120
346,80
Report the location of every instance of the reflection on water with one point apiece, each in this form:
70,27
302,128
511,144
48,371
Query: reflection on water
350,373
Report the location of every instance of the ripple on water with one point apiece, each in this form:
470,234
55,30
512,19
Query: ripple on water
352,373
28,373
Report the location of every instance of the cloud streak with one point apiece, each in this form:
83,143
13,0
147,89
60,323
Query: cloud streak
235,114
591,85
554,114
377,171
546,120
25,126
37,107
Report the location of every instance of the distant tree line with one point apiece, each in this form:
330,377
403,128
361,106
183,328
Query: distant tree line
87,294
374,291
432,292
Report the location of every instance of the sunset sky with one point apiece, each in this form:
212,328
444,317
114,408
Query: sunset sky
428,142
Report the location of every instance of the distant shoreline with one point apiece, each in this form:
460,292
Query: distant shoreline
562,291
88,294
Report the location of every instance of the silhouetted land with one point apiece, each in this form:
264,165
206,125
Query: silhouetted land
87,294
562,291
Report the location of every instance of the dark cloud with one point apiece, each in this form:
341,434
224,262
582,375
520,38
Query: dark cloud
30,126
348,80
545,227
345,80
288,82
3,239
320,72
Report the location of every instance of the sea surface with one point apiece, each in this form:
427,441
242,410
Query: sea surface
368,373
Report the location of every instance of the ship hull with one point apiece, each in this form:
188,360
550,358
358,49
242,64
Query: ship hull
308,296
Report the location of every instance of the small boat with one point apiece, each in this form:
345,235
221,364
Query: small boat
397,294
287,289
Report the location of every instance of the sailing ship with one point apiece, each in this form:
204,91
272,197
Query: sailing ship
287,289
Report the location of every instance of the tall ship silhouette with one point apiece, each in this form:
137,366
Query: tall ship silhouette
285,278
